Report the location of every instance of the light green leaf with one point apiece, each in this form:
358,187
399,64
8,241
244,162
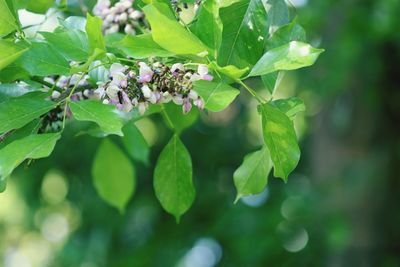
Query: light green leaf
17,112
169,34
285,34
216,96
95,36
229,71
208,26
280,138
73,23
135,143
39,6
31,147
244,33
43,60
141,46
278,14
291,56
173,114
290,106
252,176
7,20
10,51
272,81
113,175
173,178
106,116
72,44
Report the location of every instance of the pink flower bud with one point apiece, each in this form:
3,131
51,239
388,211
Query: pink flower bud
187,106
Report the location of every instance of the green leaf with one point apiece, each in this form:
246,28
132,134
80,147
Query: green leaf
39,6
229,71
272,81
16,112
7,20
11,90
73,23
29,129
285,34
135,143
113,175
291,56
31,147
280,138
252,176
169,34
244,33
278,14
216,96
72,44
290,106
106,116
10,51
175,118
95,36
173,178
141,46
208,26
43,60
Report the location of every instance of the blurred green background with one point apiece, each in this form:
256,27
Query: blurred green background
339,207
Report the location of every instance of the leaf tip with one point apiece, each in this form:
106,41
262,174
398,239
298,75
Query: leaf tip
238,197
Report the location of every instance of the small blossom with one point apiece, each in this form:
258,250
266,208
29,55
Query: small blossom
127,105
55,94
199,103
142,106
112,91
187,106
136,15
145,73
193,95
146,91
176,67
178,99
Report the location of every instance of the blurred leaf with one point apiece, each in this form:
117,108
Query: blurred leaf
72,44
39,6
43,60
216,96
7,21
278,14
95,36
285,34
244,33
272,80
73,23
208,26
173,114
11,90
31,147
18,111
106,116
290,106
173,183
113,175
169,34
291,56
135,143
10,51
280,138
141,46
252,176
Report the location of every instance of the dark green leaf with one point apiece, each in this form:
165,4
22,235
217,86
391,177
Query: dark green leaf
216,96
278,14
107,117
18,111
11,90
135,143
72,44
244,32
173,183
113,175
141,46
280,138
285,34
43,60
169,34
30,128
252,176
291,56
31,147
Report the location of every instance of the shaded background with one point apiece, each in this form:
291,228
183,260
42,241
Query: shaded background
339,207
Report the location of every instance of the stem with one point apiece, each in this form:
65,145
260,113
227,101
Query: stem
252,92
167,118
68,98
50,85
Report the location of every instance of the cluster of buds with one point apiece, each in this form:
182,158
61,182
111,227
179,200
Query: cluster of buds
65,83
177,6
142,85
121,17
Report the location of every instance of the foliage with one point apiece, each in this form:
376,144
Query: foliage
78,73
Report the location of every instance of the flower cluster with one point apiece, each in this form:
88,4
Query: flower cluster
121,17
142,85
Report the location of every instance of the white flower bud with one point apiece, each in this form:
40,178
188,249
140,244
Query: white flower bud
55,94
135,15
146,91
123,17
193,95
